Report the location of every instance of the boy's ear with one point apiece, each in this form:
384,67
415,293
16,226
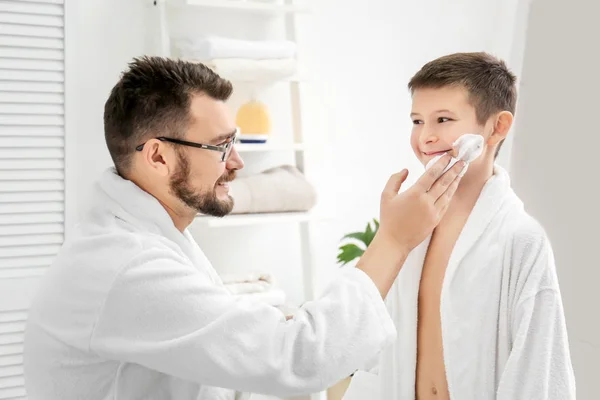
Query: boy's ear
502,125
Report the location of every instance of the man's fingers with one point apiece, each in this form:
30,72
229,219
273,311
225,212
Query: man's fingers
441,185
454,152
425,182
444,200
395,182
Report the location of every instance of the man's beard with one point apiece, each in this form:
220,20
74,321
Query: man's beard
203,202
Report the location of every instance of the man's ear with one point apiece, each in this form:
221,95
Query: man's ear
157,157
502,124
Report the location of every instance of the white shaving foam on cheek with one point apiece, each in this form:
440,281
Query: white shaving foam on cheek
469,146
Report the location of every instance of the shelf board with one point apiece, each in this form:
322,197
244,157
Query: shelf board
249,5
267,147
255,219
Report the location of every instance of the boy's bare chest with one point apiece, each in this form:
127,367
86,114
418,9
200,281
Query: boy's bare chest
431,380
436,262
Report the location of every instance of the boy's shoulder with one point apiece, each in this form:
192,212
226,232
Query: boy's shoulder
531,258
526,232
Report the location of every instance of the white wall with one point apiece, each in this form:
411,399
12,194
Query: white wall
554,162
101,37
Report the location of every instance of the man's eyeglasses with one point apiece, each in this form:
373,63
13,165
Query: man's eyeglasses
224,149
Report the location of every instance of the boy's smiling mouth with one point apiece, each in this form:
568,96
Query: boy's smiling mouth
436,153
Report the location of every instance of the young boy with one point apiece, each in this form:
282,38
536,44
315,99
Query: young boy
477,305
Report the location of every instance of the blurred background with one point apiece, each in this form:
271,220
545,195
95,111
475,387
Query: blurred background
332,102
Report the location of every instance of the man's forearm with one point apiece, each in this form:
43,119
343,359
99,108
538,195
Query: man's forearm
382,262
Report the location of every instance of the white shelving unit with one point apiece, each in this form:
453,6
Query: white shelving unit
297,146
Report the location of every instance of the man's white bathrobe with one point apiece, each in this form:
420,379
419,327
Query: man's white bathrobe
503,327
131,309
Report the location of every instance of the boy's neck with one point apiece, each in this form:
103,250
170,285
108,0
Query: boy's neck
470,188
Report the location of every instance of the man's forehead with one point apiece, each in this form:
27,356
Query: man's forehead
210,118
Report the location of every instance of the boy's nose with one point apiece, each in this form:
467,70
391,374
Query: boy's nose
429,138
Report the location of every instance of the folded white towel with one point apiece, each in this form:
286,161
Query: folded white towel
245,69
213,47
278,189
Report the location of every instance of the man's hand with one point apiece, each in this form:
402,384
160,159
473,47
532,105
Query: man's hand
408,218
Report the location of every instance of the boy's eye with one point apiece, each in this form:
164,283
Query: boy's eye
443,119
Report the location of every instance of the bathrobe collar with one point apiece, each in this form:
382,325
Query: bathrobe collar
495,193
130,203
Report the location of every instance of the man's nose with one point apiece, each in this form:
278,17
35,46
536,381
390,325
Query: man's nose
234,162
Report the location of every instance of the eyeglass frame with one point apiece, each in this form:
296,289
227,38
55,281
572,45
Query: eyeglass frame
226,149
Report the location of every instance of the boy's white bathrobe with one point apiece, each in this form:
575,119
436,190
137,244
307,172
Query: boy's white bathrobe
503,327
132,309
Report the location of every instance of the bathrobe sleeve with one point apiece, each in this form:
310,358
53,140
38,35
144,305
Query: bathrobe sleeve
167,315
539,364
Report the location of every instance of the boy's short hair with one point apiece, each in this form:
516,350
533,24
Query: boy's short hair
491,85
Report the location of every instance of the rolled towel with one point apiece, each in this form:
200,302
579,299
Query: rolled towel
214,47
279,189
249,70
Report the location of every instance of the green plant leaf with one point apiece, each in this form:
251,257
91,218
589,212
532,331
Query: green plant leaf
369,234
356,235
368,230
349,252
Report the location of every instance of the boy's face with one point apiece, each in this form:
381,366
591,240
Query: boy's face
440,116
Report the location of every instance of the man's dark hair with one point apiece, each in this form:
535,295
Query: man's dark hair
490,84
152,99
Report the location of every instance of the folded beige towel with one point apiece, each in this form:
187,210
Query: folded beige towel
279,189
